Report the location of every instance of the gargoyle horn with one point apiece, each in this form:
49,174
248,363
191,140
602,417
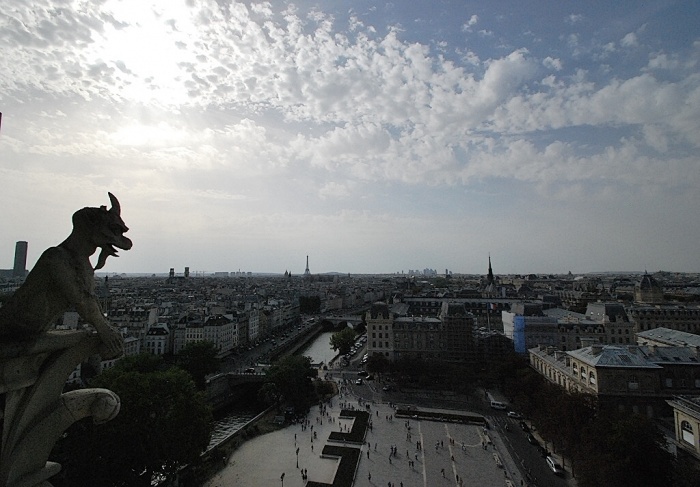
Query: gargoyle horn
116,208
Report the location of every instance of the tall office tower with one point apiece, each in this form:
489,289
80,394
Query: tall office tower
187,272
20,268
172,272
307,272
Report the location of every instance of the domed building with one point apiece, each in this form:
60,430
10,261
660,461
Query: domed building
648,291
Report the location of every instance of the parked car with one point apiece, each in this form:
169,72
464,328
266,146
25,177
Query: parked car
513,414
554,466
358,382
532,440
363,373
524,426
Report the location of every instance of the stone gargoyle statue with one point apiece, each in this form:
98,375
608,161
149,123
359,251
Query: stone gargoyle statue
35,361
63,277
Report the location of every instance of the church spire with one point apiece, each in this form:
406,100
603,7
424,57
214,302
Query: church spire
489,277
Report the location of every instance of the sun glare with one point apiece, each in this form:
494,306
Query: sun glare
155,136
146,50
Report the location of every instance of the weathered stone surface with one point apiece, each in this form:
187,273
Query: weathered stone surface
34,411
63,277
35,362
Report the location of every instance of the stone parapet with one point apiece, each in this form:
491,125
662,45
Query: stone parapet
34,411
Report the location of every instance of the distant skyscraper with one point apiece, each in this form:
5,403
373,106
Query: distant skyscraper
20,268
187,272
307,272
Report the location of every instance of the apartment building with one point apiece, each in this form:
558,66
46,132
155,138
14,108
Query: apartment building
686,421
530,325
487,312
158,340
672,316
394,333
630,378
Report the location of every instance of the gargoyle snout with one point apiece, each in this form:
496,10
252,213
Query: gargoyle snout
123,243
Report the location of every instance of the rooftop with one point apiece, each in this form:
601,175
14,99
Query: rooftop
669,337
613,356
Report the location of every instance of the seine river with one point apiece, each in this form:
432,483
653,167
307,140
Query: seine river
319,351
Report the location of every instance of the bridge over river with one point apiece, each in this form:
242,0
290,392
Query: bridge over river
353,317
224,389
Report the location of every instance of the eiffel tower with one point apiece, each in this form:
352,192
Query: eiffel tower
307,272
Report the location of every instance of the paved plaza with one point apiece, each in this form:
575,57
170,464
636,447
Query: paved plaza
451,454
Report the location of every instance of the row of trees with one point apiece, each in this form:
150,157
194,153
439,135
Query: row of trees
165,421
343,340
289,382
606,448
309,304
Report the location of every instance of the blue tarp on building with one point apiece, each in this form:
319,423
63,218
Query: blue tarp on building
519,334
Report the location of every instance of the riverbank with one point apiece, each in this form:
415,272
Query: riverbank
215,459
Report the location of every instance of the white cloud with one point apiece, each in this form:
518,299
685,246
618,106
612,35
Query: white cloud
334,189
467,26
629,40
662,61
228,112
552,63
574,18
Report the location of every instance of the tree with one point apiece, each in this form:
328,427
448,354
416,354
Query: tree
164,423
309,304
291,376
686,472
622,451
343,340
378,363
199,359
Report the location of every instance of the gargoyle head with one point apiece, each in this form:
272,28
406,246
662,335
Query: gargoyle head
104,228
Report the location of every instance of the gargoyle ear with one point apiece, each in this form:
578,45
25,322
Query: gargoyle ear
116,208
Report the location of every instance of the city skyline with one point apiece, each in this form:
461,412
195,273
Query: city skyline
373,137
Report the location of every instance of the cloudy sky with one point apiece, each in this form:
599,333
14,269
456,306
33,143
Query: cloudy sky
371,136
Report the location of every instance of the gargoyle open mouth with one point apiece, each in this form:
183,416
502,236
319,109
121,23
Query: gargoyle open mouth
115,232
107,251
